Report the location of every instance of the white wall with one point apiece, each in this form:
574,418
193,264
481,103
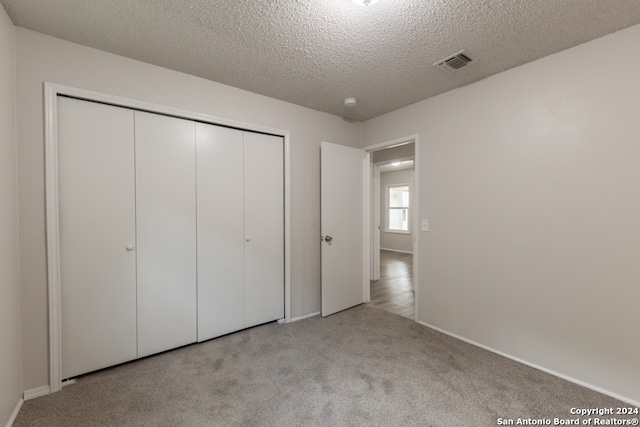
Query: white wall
10,375
388,240
531,182
394,153
41,58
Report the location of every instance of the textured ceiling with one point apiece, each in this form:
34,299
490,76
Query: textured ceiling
317,52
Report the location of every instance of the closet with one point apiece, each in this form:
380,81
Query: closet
165,156
171,232
240,229
96,202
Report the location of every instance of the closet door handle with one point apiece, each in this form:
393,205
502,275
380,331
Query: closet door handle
129,248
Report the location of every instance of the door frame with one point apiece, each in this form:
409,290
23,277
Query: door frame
51,92
415,212
375,223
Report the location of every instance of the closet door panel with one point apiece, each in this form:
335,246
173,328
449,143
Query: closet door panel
264,228
97,224
220,230
166,232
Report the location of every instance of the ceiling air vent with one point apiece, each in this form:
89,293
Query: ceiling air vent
455,62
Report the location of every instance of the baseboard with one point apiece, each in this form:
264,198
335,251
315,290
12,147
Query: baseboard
396,250
15,412
36,392
538,367
295,319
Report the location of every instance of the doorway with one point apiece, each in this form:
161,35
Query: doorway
393,291
393,228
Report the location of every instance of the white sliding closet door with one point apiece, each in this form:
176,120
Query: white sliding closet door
96,200
220,230
264,228
166,232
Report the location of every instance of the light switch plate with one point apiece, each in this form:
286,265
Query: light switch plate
424,224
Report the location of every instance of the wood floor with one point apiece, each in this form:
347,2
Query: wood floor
393,292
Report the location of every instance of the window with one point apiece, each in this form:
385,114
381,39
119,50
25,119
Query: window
398,208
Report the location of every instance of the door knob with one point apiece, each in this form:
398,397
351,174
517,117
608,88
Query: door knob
328,238
129,248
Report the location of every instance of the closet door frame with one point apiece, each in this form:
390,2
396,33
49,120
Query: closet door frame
51,92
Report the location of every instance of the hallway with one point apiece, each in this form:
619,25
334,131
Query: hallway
393,292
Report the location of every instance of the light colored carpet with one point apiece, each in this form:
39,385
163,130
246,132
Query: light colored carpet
360,367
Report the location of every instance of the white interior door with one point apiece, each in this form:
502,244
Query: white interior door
220,230
264,228
166,232
343,203
96,199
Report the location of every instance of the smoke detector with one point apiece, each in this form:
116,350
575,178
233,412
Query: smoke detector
456,61
350,102
364,2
